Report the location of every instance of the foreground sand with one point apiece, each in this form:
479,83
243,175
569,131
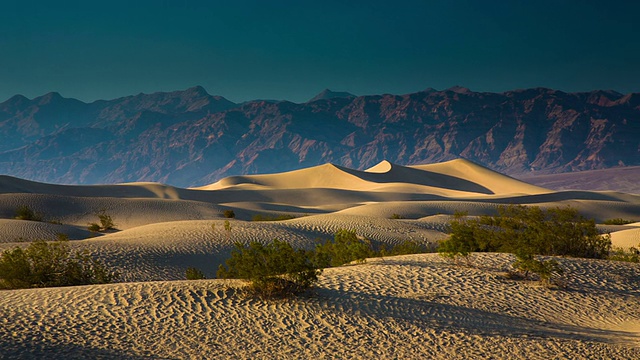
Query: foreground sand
406,307
412,307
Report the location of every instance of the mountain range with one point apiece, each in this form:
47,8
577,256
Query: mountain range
190,138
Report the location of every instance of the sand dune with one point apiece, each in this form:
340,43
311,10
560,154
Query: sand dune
626,238
410,307
407,307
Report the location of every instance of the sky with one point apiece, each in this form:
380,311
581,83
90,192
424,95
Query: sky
292,50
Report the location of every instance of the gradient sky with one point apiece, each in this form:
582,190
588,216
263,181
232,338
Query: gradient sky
292,50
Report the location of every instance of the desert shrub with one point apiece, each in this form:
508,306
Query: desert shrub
396,216
617,221
629,255
44,264
345,248
274,269
106,222
229,214
464,239
404,248
261,217
554,231
26,213
194,274
547,270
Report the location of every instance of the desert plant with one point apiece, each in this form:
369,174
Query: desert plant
260,217
345,248
106,222
229,214
396,216
274,269
404,248
617,221
26,213
545,269
631,254
44,264
554,231
463,239
194,274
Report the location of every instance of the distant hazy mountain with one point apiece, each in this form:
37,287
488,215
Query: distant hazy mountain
189,137
328,94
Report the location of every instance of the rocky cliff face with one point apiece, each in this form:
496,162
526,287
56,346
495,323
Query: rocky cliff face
189,137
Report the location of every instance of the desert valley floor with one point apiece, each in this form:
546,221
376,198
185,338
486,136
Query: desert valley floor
412,306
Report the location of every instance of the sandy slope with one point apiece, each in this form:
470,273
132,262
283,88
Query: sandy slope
410,307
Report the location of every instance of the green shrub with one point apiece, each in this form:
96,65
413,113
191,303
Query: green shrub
44,264
403,248
229,214
345,248
554,231
106,222
396,216
26,213
274,269
260,217
545,269
629,255
617,221
194,274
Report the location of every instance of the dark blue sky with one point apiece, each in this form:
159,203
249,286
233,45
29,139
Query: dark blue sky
292,50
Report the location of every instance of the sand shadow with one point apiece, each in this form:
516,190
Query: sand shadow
427,314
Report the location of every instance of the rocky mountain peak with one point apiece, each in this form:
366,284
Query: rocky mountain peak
328,94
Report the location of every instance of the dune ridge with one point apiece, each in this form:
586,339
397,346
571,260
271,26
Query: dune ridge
416,306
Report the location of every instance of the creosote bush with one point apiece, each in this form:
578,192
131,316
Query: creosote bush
274,269
345,248
517,228
44,264
106,223
229,214
26,213
617,221
631,254
194,274
261,217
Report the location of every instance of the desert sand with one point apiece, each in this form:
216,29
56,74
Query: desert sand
415,306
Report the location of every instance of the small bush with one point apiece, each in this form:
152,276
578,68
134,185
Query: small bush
617,221
404,248
26,213
260,217
396,216
345,248
194,274
44,264
106,221
274,269
629,255
545,269
229,214
553,231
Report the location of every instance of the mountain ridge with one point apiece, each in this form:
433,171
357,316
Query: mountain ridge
190,138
